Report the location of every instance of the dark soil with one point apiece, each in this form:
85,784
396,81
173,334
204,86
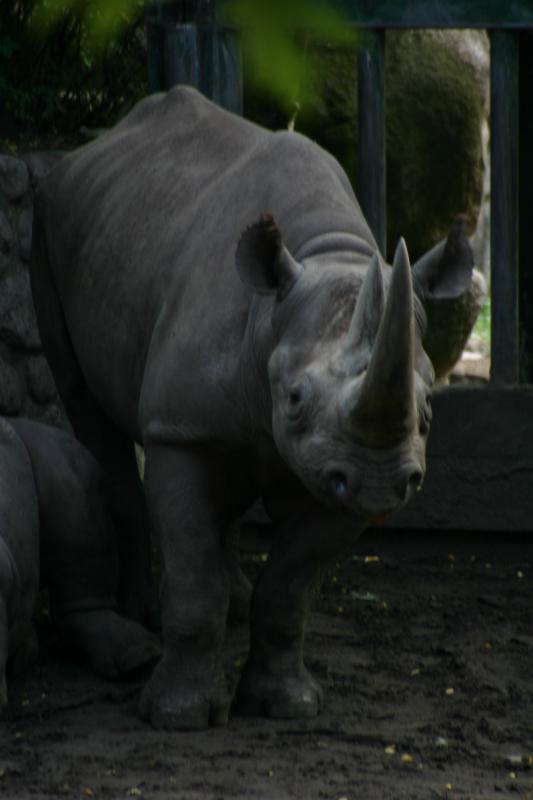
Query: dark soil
427,665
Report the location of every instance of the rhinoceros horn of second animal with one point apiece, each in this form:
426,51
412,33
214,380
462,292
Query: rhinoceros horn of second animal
382,409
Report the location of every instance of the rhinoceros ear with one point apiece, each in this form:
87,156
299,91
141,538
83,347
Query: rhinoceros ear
263,262
445,272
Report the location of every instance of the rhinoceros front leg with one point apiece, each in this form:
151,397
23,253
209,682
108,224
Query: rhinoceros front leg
187,505
275,681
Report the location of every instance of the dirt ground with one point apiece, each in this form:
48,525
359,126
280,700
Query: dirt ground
426,656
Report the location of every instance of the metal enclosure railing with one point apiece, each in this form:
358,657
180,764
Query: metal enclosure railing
187,45
510,26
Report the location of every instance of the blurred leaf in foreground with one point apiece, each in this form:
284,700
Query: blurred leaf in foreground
275,35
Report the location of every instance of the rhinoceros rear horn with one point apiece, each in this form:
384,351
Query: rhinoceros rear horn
368,309
262,260
384,410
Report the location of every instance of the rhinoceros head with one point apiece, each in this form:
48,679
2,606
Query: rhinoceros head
350,381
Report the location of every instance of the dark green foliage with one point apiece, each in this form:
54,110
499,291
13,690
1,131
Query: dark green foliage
60,77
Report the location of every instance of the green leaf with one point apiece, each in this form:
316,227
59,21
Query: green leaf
274,36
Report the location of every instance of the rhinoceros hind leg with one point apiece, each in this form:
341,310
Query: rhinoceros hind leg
115,452
280,697
113,645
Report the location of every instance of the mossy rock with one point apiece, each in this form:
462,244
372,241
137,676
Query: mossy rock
436,84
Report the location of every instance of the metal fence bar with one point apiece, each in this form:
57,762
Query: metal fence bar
504,208
186,45
525,220
371,162
485,14
181,55
221,73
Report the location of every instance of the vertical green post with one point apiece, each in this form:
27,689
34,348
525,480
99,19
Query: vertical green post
504,208
187,45
525,219
371,172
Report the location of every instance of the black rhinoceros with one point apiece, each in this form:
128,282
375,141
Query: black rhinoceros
211,290
54,532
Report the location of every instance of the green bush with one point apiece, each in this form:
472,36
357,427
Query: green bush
59,77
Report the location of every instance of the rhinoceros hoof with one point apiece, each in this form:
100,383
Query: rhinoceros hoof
279,696
178,700
115,646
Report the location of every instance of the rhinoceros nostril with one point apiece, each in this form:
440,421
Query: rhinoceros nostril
338,483
414,482
410,482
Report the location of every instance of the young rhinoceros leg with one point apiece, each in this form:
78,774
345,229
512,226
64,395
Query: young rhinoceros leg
275,681
79,562
21,657
188,502
113,645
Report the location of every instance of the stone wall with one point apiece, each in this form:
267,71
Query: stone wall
26,384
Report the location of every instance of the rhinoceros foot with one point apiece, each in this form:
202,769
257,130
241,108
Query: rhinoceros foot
114,646
278,696
180,697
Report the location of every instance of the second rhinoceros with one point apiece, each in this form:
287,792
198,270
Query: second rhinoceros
211,290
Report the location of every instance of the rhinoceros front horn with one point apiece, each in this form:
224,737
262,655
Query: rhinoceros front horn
384,409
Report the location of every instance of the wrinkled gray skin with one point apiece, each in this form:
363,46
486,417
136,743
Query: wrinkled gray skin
175,314
54,532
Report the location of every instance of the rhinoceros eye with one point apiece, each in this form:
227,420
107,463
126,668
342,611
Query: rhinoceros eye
296,403
297,397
